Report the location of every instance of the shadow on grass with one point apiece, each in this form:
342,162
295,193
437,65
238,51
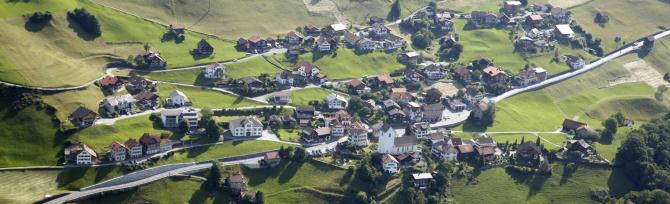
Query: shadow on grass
195,152
619,184
81,33
67,177
34,27
200,196
470,126
535,182
289,172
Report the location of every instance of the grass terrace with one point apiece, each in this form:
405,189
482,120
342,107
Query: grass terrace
346,64
302,97
227,18
206,98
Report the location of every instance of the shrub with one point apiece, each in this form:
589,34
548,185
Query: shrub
40,17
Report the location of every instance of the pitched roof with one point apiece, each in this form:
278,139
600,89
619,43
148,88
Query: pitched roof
82,112
150,139
529,148
466,148
236,178
493,71
272,155
385,78
387,158
244,120
485,141
572,124
421,176
130,142
177,26
407,140
145,95
485,150
357,83
115,146
306,66
108,81
432,107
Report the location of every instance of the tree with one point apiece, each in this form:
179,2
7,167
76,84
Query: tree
260,198
395,12
299,154
213,182
86,21
537,142
422,38
40,17
213,130
183,126
361,197
620,118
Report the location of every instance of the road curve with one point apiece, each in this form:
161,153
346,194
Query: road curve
632,47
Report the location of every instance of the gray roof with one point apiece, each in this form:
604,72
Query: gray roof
407,140
244,120
171,112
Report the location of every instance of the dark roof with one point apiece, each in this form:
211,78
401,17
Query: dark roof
386,127
108,80
82,112
204,44
432,107
305,109
485,141
485,150
572,125
145,95
407,140
465,148
115,146
529,148
150,139
131,142
357,83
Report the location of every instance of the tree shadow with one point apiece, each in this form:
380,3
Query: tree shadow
200,195
194,152
536,184
67,176
168,36
81,33
289,172
470,126
18,1
567,173
197,56
34,27
619,184
317,55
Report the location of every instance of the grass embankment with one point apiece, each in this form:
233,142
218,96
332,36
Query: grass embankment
347,64
251,67
227,149
227,18
629,24
206,98
659,55
67,102
559,187
302,97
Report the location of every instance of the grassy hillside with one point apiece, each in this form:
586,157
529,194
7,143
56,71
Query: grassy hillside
302,97
68,101
99,137
27,186
346,64
251,67
659,55
227,18
205,98
358,12
227,149
559,187
628,23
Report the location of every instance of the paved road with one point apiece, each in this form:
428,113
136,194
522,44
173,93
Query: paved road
153,174
593,65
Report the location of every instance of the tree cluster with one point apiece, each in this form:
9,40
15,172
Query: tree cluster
86,20
297,154
40,17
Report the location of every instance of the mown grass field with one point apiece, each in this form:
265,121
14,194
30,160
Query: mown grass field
346,64
519,188
30,137
27,186
227,18
206,98
629,19
359,12
229,148
67,102
302,97
659,55
235,70
170,190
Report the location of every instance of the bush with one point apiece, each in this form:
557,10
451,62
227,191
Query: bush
40,18
86,20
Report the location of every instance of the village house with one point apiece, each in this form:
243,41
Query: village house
110,84
375,19
255,44
435,71
80,154
308,70
390,144
485,147
483,19
82,117
251,82
154,60
365,44
358,86
311,30
136,83
172,117
304,114
177,30
438,136
412,76
448,40
445,151
293,38
336,127
351,39
492,74
280,98
272,158
479,109
472,96
334,30
204,48
421,130
392,42
443,21
344,117
463,74
456,105
384,80
390,104
408,57
358,135
237,183
146,100
135,149
246,127
336,102
324,44
285,78
575,62
122,104
413,111
378,31
390,164
286,120
560,15
151,143
177,99
422,180
563,32
531,76
117,152
321,134
432,112
214,71
400,95
579,128
534,20
580,146
528,153
512,6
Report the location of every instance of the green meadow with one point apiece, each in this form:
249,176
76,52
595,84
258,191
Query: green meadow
302,97
235,70
206,98
68,101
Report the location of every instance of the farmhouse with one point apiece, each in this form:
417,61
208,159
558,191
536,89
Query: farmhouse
336,102
384,80
422,180
281,98
493,75
311,30
463,74
272,158
177,30
154,60
135,149
564,32
335,29
351,39
110,84
136,83
390,163
246,127
122,104
444,150
214,71
293,38
531,76
316,135
580,146
308,70
80,154
177,99
204,48
82,117
358,86
252,82
435,71
117,152
237,183
304,112
528,152
579,128
324,44
378,30
575,62
483,19
534,19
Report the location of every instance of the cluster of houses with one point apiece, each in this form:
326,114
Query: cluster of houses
148,144
376,37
